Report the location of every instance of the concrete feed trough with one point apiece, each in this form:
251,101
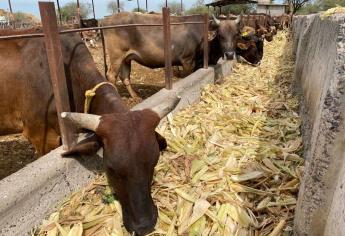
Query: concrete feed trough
29,195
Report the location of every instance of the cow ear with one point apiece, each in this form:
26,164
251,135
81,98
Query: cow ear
88,146
242,46
161,142
211,35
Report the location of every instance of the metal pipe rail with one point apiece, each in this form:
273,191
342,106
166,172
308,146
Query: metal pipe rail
36,35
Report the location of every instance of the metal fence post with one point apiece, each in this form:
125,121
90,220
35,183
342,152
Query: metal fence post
57,72
104,54
167,47
206,22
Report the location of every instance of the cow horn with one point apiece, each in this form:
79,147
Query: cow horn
215,20
166,107
86,121
238,19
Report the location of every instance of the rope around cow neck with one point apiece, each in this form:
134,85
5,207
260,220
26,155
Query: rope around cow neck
89,94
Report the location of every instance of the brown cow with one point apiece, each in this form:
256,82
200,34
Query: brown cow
145,45
131,145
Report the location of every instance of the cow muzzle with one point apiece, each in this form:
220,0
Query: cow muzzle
142,226
229,55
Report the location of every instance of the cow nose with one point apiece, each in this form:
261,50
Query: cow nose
146,225
229,55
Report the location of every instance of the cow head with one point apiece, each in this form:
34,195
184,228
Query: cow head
131,149
250,49
226,30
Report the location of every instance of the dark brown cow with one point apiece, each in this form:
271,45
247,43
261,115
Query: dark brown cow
131,145
145,45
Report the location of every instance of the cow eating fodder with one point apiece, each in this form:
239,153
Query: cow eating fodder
145,44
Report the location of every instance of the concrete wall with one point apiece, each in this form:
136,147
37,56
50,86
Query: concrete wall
320,81
29,195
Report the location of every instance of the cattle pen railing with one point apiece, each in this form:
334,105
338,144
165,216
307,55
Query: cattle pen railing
54,54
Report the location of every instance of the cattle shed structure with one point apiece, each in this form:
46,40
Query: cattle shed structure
222,3
266,7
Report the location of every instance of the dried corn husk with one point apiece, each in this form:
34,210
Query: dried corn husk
233,166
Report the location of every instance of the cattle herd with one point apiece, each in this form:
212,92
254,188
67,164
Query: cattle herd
131,144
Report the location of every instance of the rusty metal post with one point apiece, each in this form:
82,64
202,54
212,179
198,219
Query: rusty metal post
181,7
104,54
167,47
78,12
118,6
206,22
93,9
59,10
10,6
57,72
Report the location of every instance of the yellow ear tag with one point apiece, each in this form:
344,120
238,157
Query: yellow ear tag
244,34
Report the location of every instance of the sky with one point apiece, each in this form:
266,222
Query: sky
31,6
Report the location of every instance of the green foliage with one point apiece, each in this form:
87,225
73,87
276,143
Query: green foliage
237,9
319,5
69,10
174,6
140,10
327,4
198,8
309,8
112,7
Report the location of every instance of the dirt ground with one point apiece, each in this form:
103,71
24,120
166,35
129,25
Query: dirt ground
16,151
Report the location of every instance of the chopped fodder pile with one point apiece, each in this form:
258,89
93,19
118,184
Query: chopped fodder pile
233,165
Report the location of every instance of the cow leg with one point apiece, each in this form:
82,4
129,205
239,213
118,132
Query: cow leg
44,140
125,72
188,67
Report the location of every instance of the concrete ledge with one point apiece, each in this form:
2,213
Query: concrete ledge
32,193
319,47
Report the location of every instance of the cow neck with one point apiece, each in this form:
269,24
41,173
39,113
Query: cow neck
107,100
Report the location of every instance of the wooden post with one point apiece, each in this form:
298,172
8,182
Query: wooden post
93,9
57,71
167,47
206,22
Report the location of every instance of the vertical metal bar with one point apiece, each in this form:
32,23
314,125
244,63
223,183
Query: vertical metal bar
104,54
206,22
181,7
147,8
93,9
10,6
167,47
138,6
118,6
59,10
166,3
78,12
56,67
